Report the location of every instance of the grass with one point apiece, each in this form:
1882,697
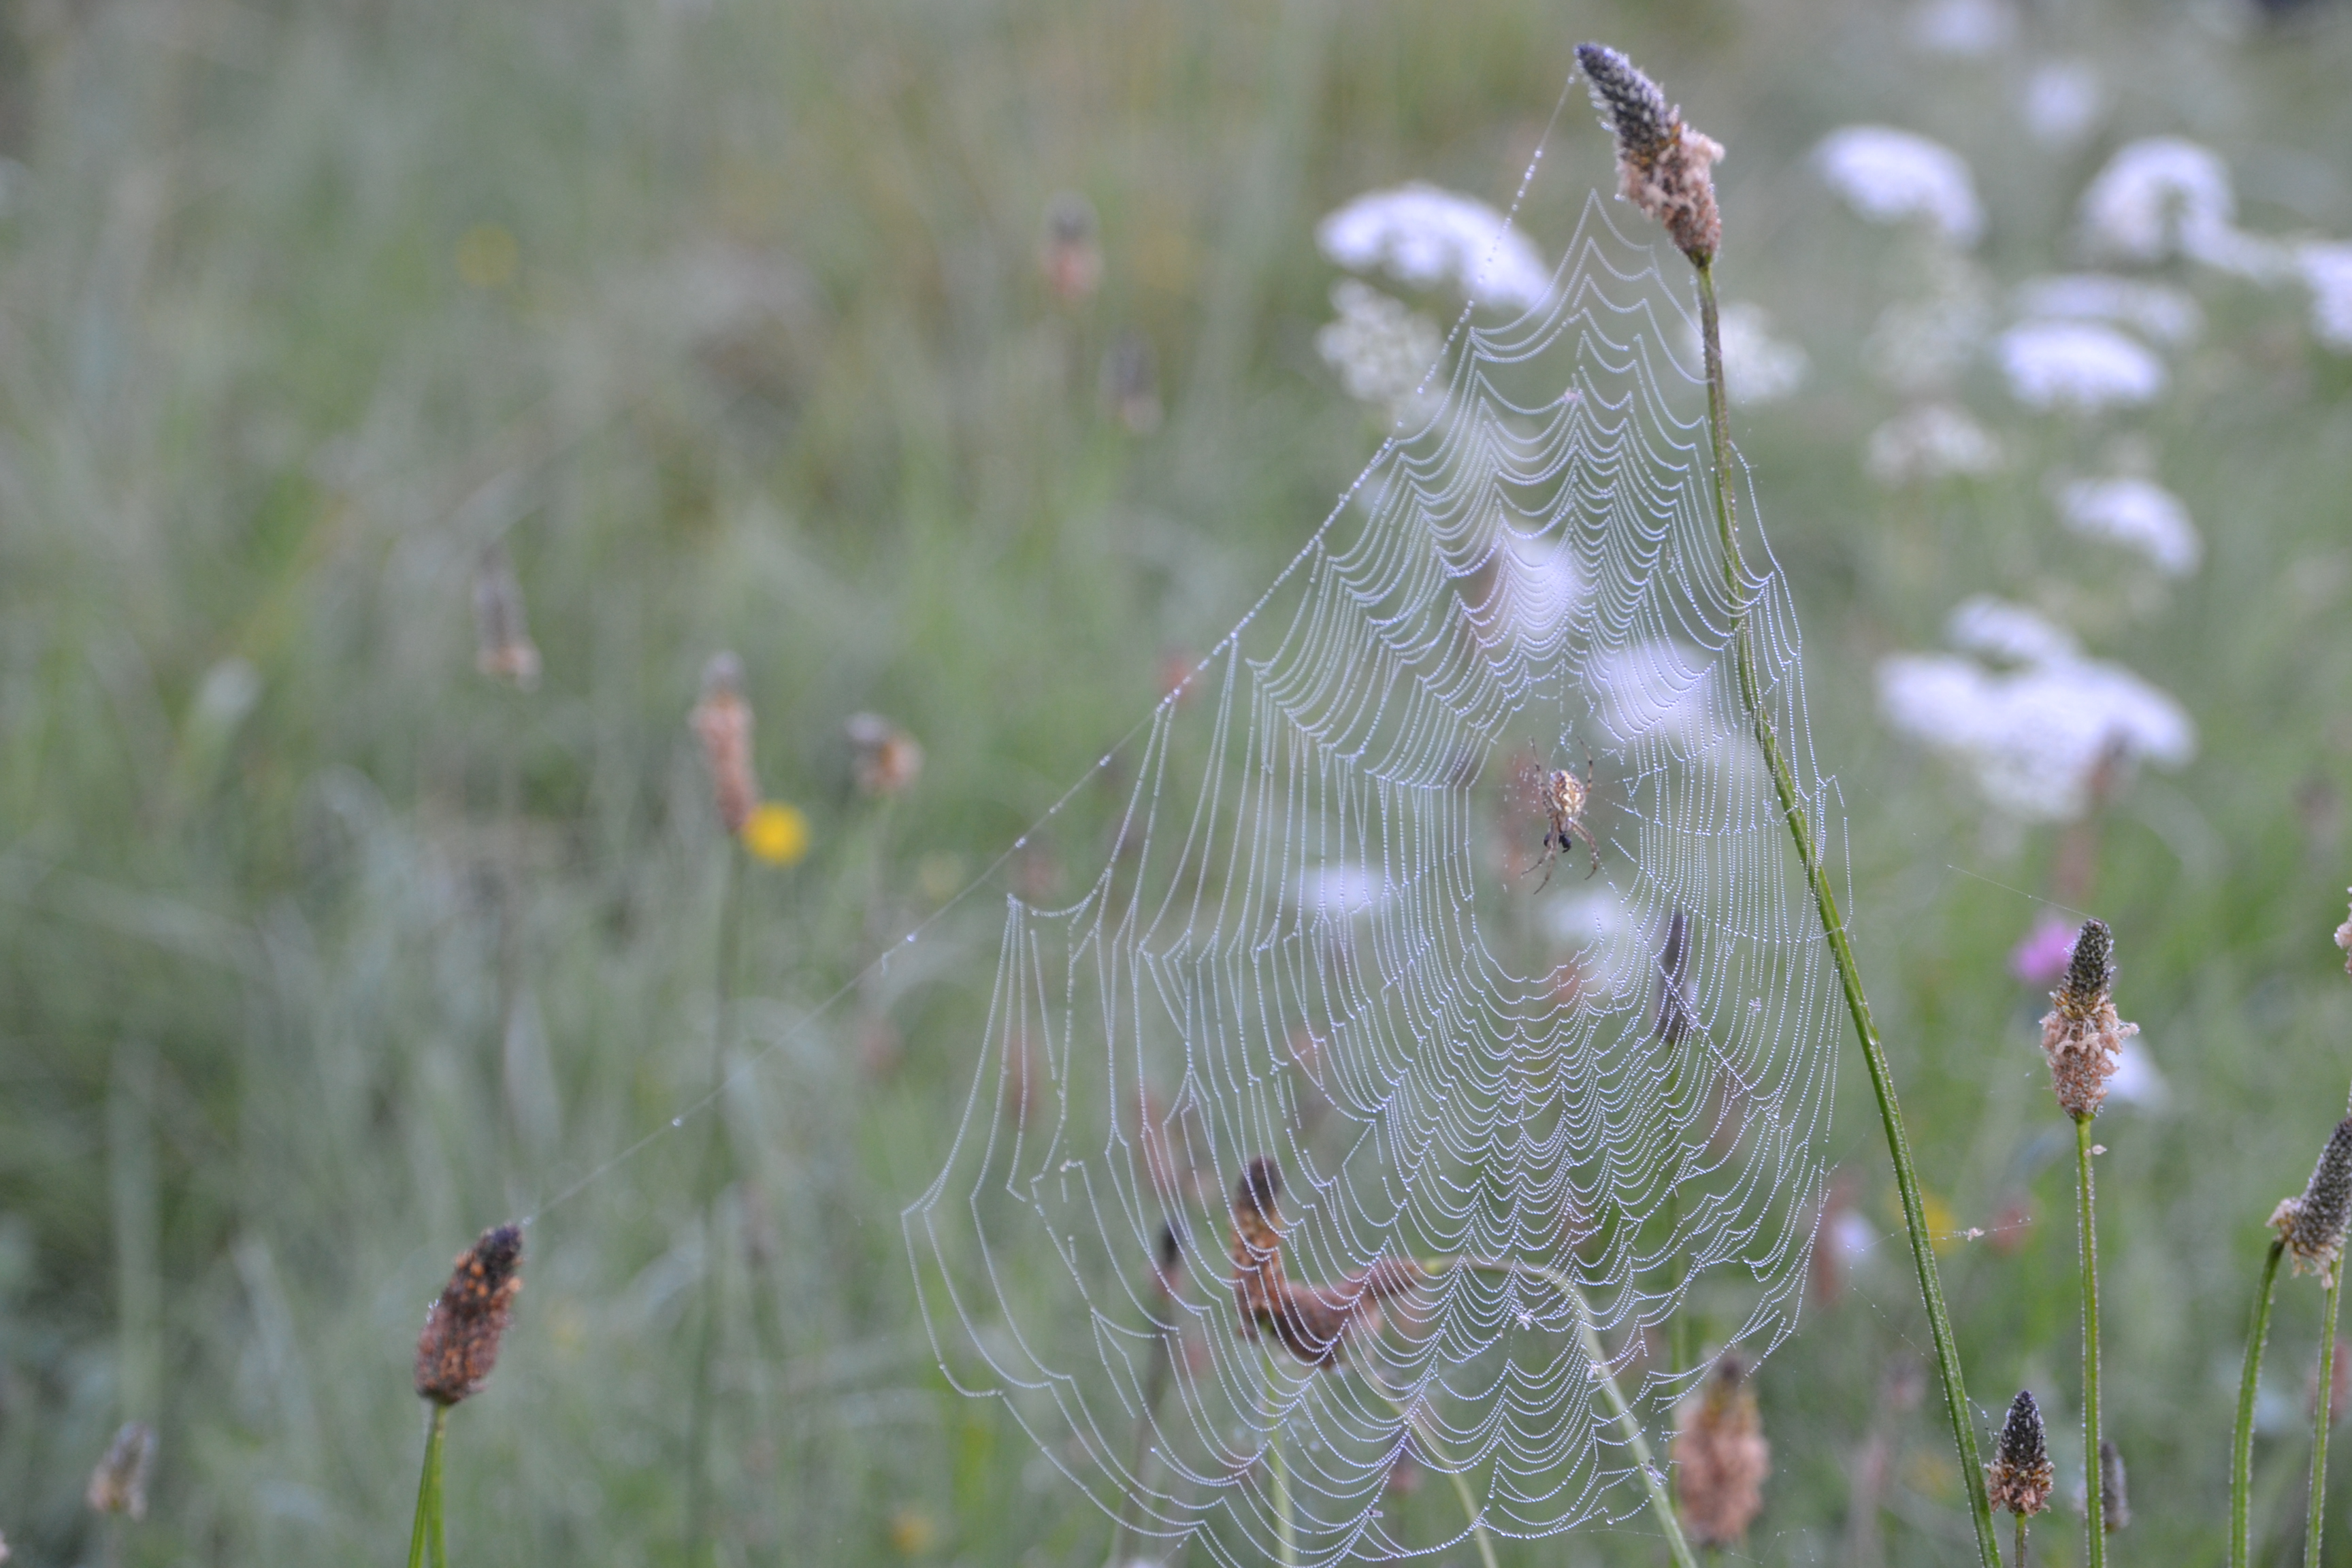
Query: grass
771,371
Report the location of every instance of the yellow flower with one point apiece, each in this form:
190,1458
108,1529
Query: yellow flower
912,1533
776,833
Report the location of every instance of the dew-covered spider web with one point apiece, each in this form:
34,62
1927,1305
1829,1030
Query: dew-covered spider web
1332,990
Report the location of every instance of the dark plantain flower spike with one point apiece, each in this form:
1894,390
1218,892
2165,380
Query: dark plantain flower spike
460,1341
2082,1037
2020,1477
2115,1503
1662,162
2311,1227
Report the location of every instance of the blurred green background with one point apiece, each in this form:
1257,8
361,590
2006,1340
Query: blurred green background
319,951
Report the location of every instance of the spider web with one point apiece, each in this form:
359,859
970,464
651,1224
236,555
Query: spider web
1329,936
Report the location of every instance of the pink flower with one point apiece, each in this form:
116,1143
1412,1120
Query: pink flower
2040,958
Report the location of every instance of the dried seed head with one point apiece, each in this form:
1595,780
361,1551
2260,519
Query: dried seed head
2020,1477
2082,1037
1721,1456
2114,1501
885,759
1313,1322
1070,258
2343,940
2312,1226
502,647
119,1485
1662,163
460,1341
722,722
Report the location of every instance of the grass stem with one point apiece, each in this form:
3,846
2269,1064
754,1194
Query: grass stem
706,1350
1661,1506
428,1542
1285,1522
2241,1453
2086,1214
2019,1560
2321,1418
1792,809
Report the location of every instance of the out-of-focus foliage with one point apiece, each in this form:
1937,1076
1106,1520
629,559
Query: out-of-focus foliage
743,325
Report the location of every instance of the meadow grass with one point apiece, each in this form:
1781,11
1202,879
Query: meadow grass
319,952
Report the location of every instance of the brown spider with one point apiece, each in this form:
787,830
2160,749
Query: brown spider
1563,797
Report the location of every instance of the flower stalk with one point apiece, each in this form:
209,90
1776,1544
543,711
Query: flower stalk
1662,167
427,1540
455,1356
2086,1220
2322,1418
2241,1452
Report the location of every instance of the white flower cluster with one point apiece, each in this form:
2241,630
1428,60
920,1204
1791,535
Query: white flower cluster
1758,367
2078,366
1382,351
2036,731
2156,310
1897,176
1429,238
2137,514
1931,441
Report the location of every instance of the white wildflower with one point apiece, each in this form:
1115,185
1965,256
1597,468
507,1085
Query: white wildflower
2328,272
1653,688
2036,735
1921,346
2137,514
1967,30
1340,889
1533,589
1426,237
2010,634
1613,958
1893,176
1382,351
2062,101
2156,310
1935,440
2078,366
2136,1080
2162,196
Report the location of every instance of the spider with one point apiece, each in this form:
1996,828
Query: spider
1563,797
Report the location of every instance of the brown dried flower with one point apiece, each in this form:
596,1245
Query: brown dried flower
1070,258
1721,1456
1312,1322
885,759
2114,1501
2311,1226
460,1341
2020,1477
722,721
502,647
119,1483
1662,163
2082,1037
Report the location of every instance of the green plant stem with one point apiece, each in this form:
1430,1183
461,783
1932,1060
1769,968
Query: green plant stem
428,1542
1286,1523
2320,1422
2242,1454
705,1350
2018,1561
2086,1214
1155,1382
1470,1509
1881,1082
1660,1505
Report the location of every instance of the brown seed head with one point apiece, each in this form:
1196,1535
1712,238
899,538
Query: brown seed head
2020,1477
502,647
883,759
119,1483
1662,163
722,722
2114,1501
2082,1037
460,1341
2312,1226
1721,1456
1313,1322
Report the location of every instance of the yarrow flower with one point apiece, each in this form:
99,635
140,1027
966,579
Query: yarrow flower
1932,441
2164,195
1721,1456
1889,175
2311,1227
2020,1477
2137,514
2081,366
459,1346
2157,309
2328,272
2082,1037
1382,351
1426,237
1662,163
